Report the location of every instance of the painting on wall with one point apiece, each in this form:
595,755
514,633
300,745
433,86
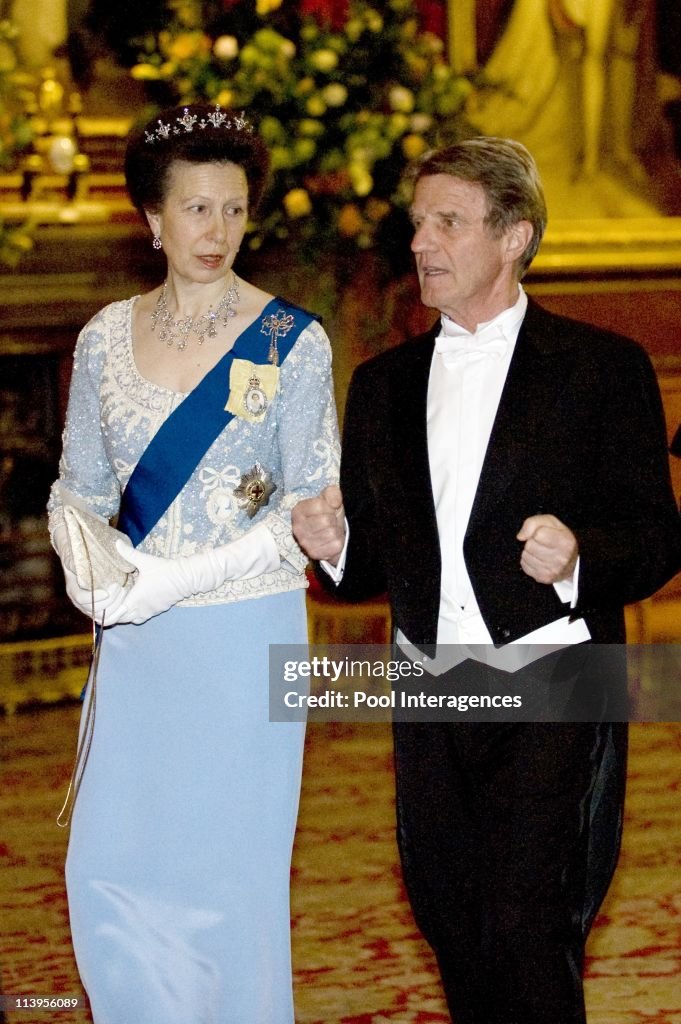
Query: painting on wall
589,86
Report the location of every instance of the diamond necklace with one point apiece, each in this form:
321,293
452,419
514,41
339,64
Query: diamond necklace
172,330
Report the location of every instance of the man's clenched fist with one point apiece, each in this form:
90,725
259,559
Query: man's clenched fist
319,525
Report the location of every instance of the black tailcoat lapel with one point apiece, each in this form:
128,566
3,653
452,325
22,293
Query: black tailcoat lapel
409,426
539,369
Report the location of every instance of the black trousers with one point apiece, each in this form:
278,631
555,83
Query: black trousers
509,834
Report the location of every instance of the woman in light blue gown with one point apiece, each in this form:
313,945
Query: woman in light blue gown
199,414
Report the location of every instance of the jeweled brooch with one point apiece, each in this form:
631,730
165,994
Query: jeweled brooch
277,325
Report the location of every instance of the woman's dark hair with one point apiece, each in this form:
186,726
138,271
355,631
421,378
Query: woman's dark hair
197,134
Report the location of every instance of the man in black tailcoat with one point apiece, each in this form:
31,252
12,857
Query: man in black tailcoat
505,479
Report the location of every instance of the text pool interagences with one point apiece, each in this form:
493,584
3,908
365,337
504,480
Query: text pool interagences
361,678
400,699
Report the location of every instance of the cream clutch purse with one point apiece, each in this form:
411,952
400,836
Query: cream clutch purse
96,560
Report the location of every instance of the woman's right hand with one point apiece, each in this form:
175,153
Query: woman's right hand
93,603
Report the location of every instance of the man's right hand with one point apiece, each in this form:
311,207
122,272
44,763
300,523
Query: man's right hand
319,525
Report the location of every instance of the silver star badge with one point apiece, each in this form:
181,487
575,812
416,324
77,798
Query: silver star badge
254,490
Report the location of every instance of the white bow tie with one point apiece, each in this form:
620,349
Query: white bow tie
489,341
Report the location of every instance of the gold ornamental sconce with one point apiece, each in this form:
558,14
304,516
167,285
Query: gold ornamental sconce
56,166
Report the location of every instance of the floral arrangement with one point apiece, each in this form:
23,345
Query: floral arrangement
15,133
345,95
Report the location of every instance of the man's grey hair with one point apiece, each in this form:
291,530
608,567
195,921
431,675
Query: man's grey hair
507,172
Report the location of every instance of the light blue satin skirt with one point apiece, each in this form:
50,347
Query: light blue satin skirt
180,849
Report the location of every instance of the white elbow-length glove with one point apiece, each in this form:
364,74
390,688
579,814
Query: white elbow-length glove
94,603
162,582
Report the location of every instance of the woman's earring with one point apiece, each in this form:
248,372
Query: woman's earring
157,243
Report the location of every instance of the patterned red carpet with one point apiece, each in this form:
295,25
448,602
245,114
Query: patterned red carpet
357,954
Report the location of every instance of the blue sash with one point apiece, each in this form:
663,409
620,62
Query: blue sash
178,446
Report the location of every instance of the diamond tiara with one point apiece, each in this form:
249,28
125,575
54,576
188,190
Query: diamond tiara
216,119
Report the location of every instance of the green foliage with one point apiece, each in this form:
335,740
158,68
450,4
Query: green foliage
15,126
15,134
342,109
